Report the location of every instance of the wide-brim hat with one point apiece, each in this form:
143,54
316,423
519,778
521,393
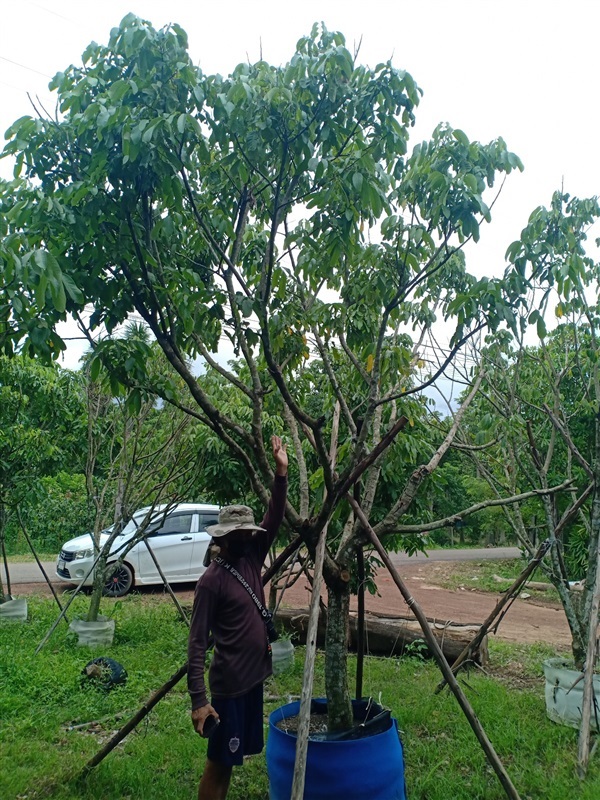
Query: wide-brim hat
233,518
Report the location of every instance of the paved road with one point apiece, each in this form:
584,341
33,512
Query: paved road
471,554
29,572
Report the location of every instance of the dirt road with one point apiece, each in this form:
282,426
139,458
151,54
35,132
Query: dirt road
527,621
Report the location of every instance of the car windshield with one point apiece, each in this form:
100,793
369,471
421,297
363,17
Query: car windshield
137,520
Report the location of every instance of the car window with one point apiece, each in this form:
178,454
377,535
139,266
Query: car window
176,523
208,519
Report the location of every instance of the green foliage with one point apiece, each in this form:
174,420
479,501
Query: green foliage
41,418
59,510
577,551
279,209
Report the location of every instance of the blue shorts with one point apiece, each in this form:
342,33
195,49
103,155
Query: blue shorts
240,732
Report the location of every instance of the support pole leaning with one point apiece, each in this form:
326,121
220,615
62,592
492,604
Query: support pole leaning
40,565
509,595
434,647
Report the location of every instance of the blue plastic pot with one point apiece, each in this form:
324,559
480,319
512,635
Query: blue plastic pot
366,768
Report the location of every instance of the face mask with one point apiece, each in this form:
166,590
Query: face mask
239,549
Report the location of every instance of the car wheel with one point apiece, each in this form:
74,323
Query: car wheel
120,582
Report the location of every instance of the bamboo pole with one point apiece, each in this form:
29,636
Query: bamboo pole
39,563
583,749
509,595
135,720
309,670
476,726
166,583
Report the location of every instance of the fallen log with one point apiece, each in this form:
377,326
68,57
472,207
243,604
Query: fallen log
389,635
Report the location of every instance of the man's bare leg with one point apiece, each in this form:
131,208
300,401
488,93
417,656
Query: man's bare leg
214,783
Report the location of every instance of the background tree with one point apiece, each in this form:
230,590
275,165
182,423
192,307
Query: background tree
277,209
151,459
537,417
41,416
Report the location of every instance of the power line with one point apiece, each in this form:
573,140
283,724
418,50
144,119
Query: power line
23,66
49,11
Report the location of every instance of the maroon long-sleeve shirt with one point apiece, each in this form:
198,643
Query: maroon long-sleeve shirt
224,608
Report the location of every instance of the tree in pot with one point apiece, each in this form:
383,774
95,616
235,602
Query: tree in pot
137,454
276,209
552,407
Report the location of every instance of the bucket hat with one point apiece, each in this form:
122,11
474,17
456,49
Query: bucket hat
233,518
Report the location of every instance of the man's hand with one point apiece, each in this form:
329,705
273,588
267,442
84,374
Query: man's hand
200,715
280,455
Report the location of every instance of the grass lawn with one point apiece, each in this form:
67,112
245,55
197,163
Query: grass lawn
485,577
42,696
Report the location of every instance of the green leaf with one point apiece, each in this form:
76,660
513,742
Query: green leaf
40,292
470,182
72,289
59,298
461,136
541,327
437,181
134,402
95,366
246,306
118,90
357,181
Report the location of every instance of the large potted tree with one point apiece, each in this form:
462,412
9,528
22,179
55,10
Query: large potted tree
278,210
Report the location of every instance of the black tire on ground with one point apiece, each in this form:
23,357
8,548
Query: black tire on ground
120,582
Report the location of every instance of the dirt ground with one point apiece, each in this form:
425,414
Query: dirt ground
527,621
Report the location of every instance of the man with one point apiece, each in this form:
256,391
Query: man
242,655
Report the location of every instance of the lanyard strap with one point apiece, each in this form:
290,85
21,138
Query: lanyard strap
266,615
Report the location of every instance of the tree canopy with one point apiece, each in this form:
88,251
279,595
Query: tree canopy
277,209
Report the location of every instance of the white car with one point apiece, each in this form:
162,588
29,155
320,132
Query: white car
178,541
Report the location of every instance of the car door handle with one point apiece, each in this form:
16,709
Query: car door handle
186,538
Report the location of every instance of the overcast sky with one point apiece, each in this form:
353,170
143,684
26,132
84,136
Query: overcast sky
527,71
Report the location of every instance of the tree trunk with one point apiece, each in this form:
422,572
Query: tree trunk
98,588
339,707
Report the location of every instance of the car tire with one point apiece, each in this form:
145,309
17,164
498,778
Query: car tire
120,582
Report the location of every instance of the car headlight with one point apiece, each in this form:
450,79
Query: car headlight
84,553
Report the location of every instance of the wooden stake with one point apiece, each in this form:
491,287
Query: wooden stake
360,623
64,609
39,563
583,750
508,595
135,720
476,726
309,670
311,639
182,613
5,559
